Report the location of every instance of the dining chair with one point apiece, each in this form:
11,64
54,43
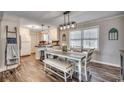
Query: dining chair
86,61
42,55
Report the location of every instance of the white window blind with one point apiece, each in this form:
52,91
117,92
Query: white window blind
86,38
75,39
90,38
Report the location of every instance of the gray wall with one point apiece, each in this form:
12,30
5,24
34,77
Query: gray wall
108,49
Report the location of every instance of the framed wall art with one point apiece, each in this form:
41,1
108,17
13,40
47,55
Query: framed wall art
113,34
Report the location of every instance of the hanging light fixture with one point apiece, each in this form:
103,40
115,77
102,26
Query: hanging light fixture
48,29
69,25
48,33
73,24
64,26
42,27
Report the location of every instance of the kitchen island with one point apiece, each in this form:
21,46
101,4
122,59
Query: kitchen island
38,50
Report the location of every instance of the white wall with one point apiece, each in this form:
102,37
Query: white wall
109,49
53,34
11,21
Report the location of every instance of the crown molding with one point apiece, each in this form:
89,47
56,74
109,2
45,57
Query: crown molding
101,19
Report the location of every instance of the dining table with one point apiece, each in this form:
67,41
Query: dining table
76,57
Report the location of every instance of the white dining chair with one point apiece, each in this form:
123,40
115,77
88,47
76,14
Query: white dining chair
85,61
85,69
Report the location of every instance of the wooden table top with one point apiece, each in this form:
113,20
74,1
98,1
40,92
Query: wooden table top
70,55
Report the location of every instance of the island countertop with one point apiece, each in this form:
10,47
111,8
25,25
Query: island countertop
40,46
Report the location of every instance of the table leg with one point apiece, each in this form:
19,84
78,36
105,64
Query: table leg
45,55
79,70
45,63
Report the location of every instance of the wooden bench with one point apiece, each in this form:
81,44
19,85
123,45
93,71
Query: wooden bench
56,66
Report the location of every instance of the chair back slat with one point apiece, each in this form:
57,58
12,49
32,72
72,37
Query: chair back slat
89,56
88,59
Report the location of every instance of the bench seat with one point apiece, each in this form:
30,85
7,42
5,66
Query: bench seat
66,67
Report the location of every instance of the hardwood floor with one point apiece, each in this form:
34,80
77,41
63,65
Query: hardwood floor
31,70
105,73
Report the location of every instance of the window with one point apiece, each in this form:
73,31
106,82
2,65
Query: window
45,37
90,38
86,38
75,39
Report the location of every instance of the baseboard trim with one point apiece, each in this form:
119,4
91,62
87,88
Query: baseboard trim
105,63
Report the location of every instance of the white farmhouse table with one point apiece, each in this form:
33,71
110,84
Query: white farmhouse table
77,57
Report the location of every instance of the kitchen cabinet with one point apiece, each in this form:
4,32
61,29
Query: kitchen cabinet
25,41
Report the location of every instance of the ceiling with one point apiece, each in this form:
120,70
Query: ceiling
54,18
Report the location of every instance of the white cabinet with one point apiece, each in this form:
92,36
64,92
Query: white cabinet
34,40
38,52
25,41
53,34
25,48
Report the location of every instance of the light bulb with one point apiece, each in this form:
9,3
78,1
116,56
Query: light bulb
61,28
72,26
68,26
64,27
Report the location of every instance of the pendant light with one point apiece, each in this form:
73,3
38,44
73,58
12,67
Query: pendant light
64,25
69,25
42,27
48,33
73,25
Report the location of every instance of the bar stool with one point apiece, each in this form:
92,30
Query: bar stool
42,55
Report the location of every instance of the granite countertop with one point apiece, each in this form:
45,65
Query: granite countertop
42,46
39,46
